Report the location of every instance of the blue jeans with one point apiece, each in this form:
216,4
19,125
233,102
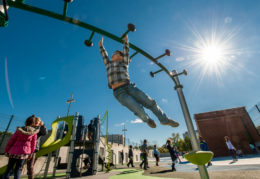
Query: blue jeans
134,99
18,163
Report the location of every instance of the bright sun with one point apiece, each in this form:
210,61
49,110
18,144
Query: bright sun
211,54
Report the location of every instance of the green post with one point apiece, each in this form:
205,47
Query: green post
65,9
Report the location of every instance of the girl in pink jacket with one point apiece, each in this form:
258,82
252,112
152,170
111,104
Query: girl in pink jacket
20,147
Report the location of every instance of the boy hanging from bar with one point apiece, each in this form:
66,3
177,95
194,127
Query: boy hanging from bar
127,93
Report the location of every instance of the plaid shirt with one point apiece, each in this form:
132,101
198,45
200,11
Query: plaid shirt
117,71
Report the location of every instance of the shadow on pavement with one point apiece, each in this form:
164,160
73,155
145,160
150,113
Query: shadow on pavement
127,172
163,171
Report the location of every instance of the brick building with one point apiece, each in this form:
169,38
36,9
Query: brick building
235,123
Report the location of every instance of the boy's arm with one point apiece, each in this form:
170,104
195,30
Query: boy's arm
43,131
126,58
103,52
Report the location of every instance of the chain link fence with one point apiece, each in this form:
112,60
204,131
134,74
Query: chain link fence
16,121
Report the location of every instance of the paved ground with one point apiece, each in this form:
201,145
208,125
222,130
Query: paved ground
250,162
247,167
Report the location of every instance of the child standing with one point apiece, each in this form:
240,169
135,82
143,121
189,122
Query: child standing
172,153
144,153
130,156
231,148
156,155
204,147
20,147
39,125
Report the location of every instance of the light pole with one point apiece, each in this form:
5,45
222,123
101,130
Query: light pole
71,100
124,130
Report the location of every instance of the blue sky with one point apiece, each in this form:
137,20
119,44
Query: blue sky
47,60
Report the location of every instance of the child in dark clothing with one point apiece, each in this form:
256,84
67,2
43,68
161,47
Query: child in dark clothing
144,153
130,156
204,147
122,157
156,155
90,130
172,153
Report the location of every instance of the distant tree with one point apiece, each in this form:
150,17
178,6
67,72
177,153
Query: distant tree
187,144
181,144
175,138
163,149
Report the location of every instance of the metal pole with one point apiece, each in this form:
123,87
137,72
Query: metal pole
124,138
194,142
47,165
83,150
96,146
12,116
73,138
58,150
61,135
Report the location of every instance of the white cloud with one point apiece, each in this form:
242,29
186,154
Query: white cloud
136,121
178,59
228,20
151,63
164,100
121,124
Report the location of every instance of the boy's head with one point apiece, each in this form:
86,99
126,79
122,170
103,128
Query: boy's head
145,141
169,141
131,146
117,56
200,138
154,146
37,121
226,138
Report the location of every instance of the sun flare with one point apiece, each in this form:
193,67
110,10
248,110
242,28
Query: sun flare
212,54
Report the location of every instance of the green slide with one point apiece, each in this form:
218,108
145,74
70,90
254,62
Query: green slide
51,144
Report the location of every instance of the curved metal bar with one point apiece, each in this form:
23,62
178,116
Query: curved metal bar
5,9
84,25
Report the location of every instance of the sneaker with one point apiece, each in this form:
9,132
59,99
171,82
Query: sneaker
171,123
151,123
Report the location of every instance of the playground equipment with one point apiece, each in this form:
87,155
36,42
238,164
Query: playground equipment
3,13
196,157
90,148
107,145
